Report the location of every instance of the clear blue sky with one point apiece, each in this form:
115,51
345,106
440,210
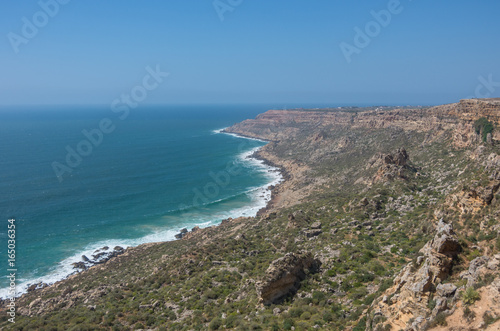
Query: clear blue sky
279,51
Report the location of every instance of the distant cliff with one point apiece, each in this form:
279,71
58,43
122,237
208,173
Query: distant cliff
274,125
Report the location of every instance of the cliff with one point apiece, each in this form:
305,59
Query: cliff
458,117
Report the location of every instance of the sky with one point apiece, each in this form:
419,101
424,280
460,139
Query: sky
329,52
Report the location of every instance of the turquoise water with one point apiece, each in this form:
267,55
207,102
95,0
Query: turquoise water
160,170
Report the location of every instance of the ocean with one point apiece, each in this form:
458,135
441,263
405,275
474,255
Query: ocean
76,179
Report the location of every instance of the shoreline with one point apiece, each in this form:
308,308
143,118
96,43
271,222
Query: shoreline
269,207
44,282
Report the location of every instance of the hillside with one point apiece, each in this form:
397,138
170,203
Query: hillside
389,219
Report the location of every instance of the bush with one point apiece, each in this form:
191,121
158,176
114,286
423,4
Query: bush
215,324
306,316
469,296
287,324
275,327
318,296
295,312
488,319
440,320
469,315
361,325
328,316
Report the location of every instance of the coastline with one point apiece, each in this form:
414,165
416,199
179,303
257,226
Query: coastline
59,276
274,189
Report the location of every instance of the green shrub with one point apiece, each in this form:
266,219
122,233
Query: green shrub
215,324
469,315
469,296
361,325
287,324
488,319
295,312
440,320
483,127
431,304
318,296
275,327
327,316
231,321
306,315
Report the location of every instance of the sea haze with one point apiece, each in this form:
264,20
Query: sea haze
160,170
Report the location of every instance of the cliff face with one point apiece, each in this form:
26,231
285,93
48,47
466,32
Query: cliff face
274,125
405,305
471,109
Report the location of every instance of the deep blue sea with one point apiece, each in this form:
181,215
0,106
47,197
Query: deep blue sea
141,179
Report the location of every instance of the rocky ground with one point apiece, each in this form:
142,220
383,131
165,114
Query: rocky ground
388,220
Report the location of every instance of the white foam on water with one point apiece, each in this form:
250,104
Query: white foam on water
65,267
260,197
241,137
217,131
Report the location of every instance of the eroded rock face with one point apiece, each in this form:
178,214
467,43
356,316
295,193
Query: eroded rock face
391,166
445,241
414,285
284,275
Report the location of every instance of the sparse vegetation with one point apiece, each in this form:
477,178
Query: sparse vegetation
483,127
470,295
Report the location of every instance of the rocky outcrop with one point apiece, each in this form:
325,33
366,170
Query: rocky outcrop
100,256
390,166
479,267
468,111
417,283
284,275
472,199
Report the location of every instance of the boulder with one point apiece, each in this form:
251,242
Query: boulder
312,233
476,268
284,275
494,262
445,242
446,290
316,225
79,265
99,255
363,202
